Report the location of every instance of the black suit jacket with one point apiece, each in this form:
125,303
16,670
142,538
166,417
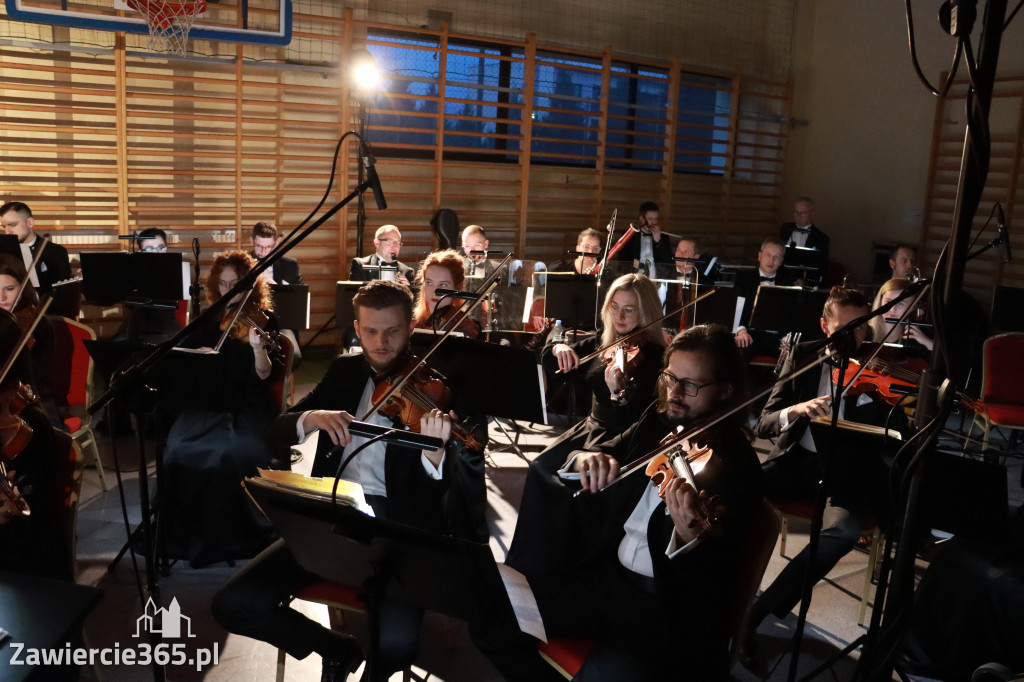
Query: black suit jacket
699,580
286,270
54,266
815,240
359,272
631,250
453,505
805,387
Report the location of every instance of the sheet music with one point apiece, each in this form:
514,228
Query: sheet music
523,602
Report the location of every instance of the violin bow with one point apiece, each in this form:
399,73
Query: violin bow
639,330
25,336
640,463
238,311
397,385
28,273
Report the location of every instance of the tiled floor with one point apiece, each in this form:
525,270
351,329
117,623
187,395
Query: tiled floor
447,653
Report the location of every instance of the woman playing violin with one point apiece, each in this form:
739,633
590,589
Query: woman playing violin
36,543
40,347
618,401
651,588
441,270
217,440
912,337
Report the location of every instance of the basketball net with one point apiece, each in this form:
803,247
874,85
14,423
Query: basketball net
169,22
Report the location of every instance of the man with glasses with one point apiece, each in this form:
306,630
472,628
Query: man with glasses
474,251
588,241
647,582
152,240
388,244
856,489
264,239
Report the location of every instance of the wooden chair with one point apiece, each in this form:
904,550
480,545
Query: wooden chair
1002,384
805,509
566,655
71,376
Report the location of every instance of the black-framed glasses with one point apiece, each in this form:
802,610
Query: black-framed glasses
690,388
393,242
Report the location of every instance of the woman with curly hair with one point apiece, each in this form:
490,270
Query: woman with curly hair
218,438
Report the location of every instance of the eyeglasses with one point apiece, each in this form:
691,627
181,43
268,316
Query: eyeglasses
628,311
392,242
159,248
690,388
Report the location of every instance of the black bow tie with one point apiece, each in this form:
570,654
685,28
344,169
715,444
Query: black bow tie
805,230
770,280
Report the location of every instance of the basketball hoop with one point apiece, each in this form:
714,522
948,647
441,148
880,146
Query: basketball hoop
169,22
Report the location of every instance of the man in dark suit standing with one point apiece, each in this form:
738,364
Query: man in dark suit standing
769,273
857,486
388,244
648,245
802,234
264,238
441,491
54,265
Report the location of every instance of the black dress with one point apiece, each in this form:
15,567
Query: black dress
211,447
538,543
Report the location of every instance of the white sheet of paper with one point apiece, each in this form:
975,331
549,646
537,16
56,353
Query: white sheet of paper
523,602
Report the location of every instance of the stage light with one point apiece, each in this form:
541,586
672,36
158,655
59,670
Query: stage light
365,75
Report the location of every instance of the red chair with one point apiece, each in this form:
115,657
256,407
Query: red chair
1002,384
566,655
71,376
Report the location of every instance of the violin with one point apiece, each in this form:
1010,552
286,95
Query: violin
467,327
423,390
893,379
15,433
241,324
682,460
627,356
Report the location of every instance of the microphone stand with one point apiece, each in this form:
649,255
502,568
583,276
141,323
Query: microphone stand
130,387
876,661
196,290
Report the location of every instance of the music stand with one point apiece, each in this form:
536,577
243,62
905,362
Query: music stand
572,299
150,279
513,388
291,305
788,309
436,572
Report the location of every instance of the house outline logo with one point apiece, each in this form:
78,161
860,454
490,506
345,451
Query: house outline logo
170,620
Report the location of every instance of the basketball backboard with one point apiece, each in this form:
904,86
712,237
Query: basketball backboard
264,22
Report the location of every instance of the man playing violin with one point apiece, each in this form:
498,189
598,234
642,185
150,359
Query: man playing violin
442,491
794,467
648,584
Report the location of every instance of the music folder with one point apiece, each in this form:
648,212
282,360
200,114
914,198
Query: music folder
440,573
789,309
291,305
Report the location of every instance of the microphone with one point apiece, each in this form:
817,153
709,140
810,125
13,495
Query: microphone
1004,234
407,438
372,177
455,293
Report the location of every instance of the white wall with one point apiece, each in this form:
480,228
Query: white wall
861,140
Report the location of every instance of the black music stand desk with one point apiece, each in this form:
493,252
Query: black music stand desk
789,309
439,573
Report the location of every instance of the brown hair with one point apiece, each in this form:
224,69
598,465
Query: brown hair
842,296
727,365
450,260
264,228
380,294
242,262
